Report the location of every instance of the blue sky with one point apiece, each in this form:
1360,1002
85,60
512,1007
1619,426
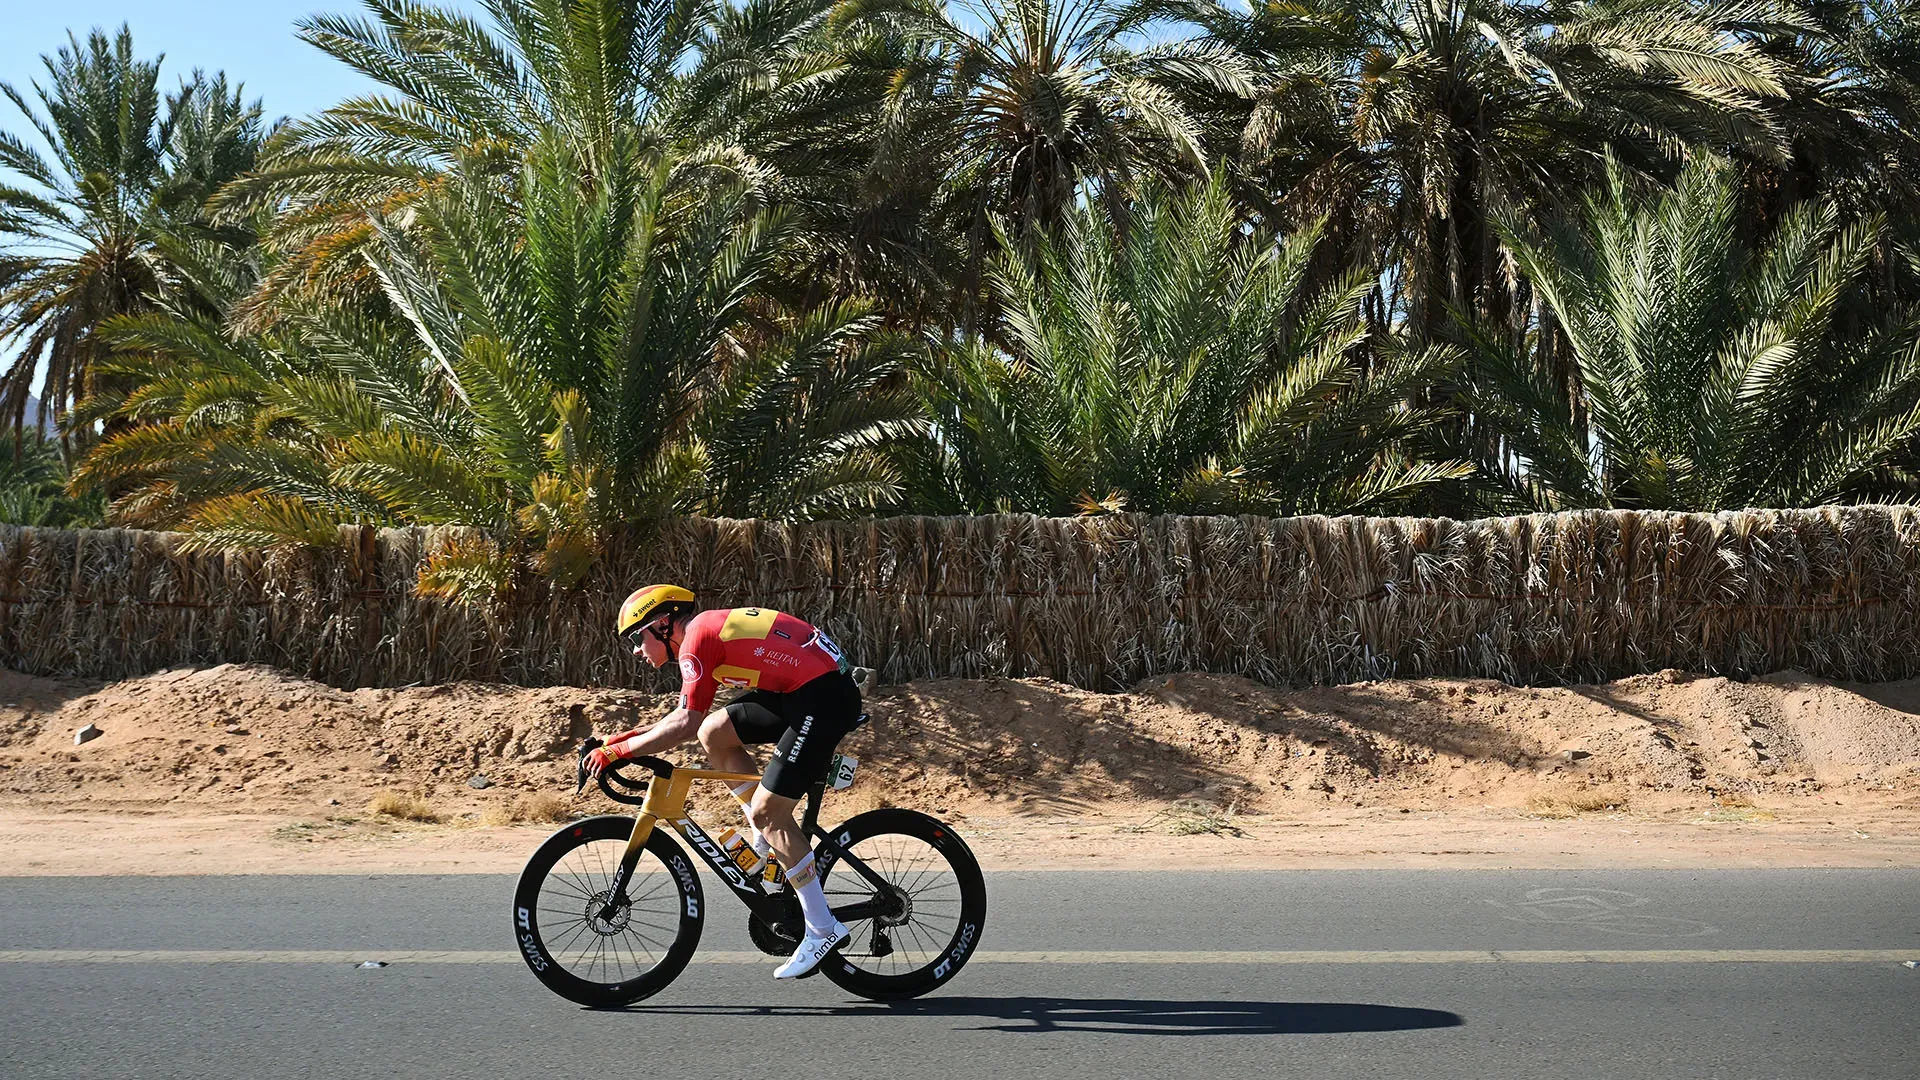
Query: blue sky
252,40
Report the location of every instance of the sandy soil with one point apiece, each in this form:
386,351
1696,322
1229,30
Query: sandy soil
248,770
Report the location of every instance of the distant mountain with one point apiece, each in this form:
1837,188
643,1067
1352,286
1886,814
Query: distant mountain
33,411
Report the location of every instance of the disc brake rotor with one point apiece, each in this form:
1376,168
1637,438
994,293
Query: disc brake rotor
613,924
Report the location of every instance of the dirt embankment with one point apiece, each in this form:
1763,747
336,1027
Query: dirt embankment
253,740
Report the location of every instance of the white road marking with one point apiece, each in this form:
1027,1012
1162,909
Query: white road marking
1447,956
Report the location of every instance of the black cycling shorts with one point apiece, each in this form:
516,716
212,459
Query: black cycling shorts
808,723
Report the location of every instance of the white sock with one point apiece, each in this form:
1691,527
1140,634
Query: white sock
813,899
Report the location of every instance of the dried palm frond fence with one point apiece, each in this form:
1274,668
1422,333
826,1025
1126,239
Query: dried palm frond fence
1100,601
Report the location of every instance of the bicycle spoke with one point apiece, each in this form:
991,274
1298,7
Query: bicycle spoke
639,932
918,871
665,882
632,955
567,887
583,928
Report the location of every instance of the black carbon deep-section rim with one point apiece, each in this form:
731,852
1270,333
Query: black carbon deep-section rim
550,946
887,979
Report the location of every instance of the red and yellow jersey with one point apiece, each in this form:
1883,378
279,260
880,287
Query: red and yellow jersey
750,647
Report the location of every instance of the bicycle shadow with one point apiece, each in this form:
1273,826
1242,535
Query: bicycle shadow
1119,1016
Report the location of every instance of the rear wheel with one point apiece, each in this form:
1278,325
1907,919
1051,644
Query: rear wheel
915,931
587,952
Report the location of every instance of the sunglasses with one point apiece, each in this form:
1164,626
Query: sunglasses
659,628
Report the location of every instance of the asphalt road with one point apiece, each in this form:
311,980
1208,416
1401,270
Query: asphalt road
1739,974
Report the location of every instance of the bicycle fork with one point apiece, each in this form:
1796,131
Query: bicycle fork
666,797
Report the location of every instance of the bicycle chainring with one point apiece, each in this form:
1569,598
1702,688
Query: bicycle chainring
770,940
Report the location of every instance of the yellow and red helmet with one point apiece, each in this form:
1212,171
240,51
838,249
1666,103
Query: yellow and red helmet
648,606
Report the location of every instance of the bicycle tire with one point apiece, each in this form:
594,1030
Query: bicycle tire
870,836
583,887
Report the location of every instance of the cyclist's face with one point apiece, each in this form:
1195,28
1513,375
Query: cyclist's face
651,648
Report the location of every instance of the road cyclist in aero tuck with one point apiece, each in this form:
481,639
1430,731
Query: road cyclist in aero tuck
888,904
799,694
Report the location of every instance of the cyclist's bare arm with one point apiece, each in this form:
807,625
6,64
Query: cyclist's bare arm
681,725
677,727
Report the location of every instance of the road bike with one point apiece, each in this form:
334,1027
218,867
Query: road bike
609,909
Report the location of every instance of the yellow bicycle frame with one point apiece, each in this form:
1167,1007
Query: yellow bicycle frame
667,799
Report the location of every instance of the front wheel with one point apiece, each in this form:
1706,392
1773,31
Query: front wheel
916,927
599,955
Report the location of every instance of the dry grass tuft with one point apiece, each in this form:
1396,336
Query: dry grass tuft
1736,806
543,807
1571,802
401,805
1190,817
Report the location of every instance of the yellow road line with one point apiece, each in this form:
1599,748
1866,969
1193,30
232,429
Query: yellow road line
1447,956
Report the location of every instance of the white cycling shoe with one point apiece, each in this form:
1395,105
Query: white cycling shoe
812,950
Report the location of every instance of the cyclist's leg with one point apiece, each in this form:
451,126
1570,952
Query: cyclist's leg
773,815
818,714
722,744
753,717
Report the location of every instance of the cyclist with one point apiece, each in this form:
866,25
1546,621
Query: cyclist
800,693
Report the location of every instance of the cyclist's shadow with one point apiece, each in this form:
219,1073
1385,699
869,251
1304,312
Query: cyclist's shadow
1123,1016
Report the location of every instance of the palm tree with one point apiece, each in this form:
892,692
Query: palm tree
196,413
545,371
1713,374
1030,103
760,95
80,230
1853,123
1180,369
32,483
1416,122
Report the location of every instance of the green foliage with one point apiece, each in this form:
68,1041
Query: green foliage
1413,124
1040,97
1714,375
32,487
546,367
754,95
80,231
1180,369
584,263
